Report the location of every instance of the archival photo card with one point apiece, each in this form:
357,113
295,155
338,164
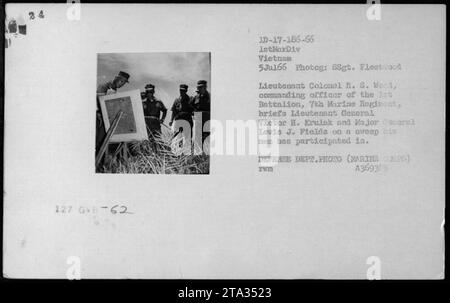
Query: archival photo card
226,141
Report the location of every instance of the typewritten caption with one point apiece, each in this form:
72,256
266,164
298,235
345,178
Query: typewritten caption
314,119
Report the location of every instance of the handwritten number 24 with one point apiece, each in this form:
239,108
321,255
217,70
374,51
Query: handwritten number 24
41,15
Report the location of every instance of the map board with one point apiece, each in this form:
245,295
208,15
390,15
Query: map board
131,126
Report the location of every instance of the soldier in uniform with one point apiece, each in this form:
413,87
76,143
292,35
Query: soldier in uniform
103,89
182,108
202,104
153,108
182,111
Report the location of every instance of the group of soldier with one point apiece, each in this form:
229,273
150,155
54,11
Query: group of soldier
184,107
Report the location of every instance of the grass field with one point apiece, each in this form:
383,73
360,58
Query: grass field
155,157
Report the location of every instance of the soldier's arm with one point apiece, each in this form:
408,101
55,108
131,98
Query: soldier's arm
163,110
101,90
192,102
173,112
191,108
144,107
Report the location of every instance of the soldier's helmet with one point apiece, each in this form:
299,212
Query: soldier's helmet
150,87
202,83
124,75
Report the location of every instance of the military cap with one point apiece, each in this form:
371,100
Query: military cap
183,87
124,75
201,83
149,87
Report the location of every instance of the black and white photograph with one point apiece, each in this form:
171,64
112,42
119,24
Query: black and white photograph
230,142
153,111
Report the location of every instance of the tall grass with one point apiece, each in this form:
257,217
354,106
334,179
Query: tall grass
155,156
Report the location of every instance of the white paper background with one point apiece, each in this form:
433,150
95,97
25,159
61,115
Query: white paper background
299,222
